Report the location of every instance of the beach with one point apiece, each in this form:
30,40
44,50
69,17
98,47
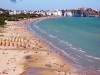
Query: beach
20,50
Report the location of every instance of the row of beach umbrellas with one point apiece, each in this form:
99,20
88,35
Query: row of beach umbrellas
16,39
16,42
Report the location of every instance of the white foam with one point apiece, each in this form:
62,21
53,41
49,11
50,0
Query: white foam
81,51
90,60
79,56
50,35
93,57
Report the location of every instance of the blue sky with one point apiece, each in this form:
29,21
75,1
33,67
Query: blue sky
49,4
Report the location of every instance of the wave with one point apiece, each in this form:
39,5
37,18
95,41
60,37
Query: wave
50,35
93,57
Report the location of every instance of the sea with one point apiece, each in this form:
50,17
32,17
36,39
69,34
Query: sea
76,38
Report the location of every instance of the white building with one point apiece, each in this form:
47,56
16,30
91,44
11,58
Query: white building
76,14
12,12
49,13
18,12
1,12
42,13
70,14
55,13
25,12
59,13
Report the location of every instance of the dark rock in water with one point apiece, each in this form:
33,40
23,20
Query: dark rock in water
28,57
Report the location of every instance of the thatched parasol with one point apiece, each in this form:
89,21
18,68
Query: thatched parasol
13,39
6,39
22,39
16,40
19,39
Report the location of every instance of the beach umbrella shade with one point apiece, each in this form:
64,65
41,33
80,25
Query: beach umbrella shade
23,44
19,43
27,45
11,44
3,43
15,43
0,42
7,43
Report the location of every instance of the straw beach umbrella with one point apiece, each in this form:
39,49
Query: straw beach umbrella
16,40
13,39
6,39
19,39
22,39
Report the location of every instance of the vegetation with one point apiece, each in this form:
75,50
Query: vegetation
7,16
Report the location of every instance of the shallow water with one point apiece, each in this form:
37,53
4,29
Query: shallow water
77,38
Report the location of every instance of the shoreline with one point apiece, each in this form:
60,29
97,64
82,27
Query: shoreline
55,64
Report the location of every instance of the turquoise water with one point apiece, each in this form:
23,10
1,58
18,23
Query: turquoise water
78,37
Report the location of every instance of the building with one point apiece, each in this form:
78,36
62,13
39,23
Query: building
59,13
1,12
76,14
48,13
69,14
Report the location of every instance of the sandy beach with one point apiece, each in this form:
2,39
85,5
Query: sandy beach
20,50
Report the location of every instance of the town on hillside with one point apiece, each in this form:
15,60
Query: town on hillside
79,12
16,15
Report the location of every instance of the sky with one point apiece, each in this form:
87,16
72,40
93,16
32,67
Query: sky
49,4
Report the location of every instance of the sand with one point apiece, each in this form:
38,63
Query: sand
19,50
